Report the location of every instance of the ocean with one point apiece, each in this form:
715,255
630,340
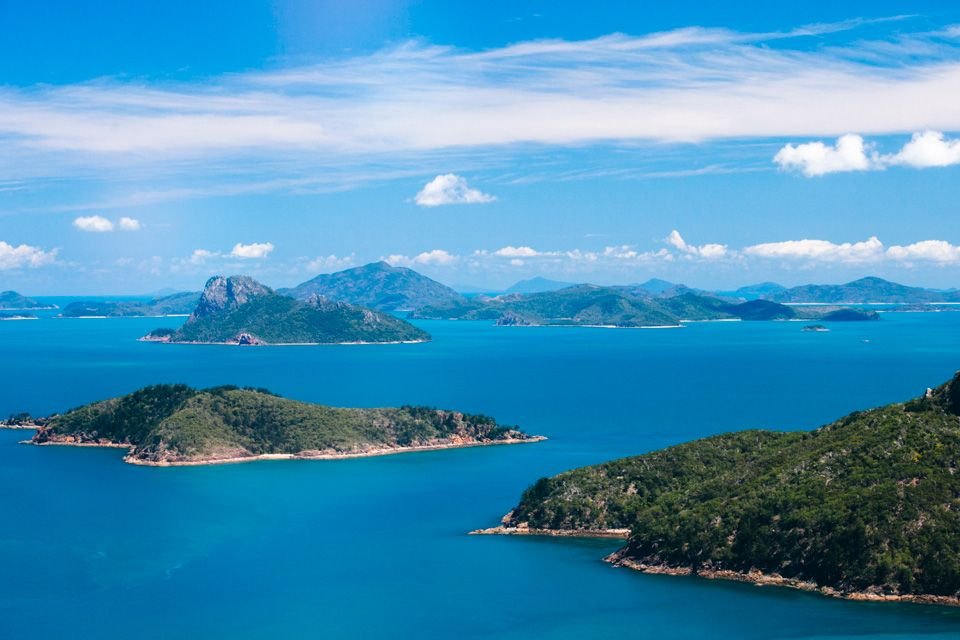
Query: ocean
368,548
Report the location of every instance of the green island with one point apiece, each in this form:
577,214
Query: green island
378,285
176,425
866,508
626,307
176,304
240,310
13,301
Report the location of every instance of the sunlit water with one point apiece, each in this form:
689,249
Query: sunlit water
91,547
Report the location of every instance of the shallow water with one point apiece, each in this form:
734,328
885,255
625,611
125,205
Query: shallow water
91,547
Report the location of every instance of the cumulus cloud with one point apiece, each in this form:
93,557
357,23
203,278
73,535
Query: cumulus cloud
436,257
329,263
927,149
200,256
128,224
450,188
871,250
24,255
850,153
252,250
517,252
99,224
710,251
93,224
816,158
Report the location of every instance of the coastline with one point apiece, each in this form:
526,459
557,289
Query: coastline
281,344
761,579
502,530
302,455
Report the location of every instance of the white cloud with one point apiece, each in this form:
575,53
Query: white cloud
436,257
927,149
871,250
128,224
200,256
24,255
450,188
816,159
329,263
850,153
710,251
819,250
516,252
94,224
253,250
937,251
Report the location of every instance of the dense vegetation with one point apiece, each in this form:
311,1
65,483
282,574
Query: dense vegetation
11,300
175,304
379,286
175,423
240,310
869,289
636,306
868,503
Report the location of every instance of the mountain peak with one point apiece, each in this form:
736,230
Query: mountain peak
228,293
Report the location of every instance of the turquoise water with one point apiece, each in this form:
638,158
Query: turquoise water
93,548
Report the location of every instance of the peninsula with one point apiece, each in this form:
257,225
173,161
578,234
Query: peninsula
866,508
175,425
240,310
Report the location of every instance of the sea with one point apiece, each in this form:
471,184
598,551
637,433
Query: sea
91,547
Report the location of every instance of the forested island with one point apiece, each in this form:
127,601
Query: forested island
626,307
13,301
240,310
176,425
176,304
378,285
867,507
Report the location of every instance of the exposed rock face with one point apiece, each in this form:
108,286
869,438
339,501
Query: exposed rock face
222,293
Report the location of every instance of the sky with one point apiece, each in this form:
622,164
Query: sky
150,145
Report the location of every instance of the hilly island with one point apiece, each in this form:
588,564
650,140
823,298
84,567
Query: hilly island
176,425
240,310
867,507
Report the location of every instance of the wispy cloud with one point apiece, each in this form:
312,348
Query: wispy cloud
99,224
687,85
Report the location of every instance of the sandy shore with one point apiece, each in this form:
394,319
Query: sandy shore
31,427
303,455
760,579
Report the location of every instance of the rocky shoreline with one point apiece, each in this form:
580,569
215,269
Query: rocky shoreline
130,458
760,579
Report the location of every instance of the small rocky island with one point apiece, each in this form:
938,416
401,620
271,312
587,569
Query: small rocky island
176,425
865,508
240,310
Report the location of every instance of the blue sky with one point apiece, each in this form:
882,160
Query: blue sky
711,143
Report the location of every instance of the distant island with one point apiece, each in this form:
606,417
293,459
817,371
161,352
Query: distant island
175,425
625,307
240,310
378,285
177,304
13,301
864,290
537,285
863,508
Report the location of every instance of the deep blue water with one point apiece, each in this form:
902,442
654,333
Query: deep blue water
93,548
